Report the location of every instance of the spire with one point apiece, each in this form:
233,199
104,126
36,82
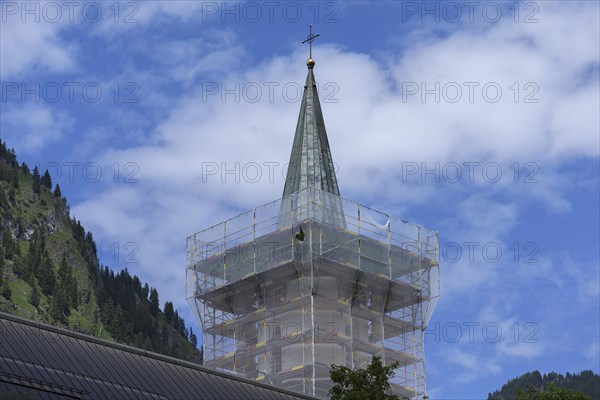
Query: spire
310,164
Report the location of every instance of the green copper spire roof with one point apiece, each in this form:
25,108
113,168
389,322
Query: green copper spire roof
310,176
310,164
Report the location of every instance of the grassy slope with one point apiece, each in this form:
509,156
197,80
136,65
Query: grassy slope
33,211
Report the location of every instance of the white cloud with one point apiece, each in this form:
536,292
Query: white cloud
472,365
592,352
34,47
123,18
30,126
521,349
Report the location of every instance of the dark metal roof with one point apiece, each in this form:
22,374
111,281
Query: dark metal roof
45,362
310,162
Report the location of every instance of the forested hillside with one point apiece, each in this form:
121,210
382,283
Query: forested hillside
586,382
50,272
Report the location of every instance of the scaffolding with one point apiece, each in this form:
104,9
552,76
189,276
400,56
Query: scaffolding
291,287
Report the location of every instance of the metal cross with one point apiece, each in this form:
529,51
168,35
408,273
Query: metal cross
310,39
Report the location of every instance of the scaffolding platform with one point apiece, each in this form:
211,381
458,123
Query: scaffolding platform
289,288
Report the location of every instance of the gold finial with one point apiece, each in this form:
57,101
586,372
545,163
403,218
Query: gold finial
310,63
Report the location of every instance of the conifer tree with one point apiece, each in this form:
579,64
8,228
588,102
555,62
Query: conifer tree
182,330
6,292
193,338
15,179
127,308
108,312
176,320
34,258
119,324
45,275
4,204
36,186
10,248
34,297
169,312
66,295
552,393
68,283
154,308
59,307
46,180
1,265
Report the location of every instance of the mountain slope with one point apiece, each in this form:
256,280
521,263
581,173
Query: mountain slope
49,271
586,382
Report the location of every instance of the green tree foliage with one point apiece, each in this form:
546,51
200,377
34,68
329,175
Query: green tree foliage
59,307
46,180
193,338
11,248
553,393
112,302
126,312
2,263
108,313
2,266
154,306
34,297
68,283
145,291
8,154
34,258
65,295
119,326
370,383
4,202
534,383
8,163
45,274
169,312
15,181
181,326
175,321
36,186
6,292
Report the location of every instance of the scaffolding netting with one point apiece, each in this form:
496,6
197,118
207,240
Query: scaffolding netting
289,288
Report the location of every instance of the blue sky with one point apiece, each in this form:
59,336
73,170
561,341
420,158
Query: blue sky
479,120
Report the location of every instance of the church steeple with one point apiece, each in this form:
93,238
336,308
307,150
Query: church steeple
310,164
308,260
